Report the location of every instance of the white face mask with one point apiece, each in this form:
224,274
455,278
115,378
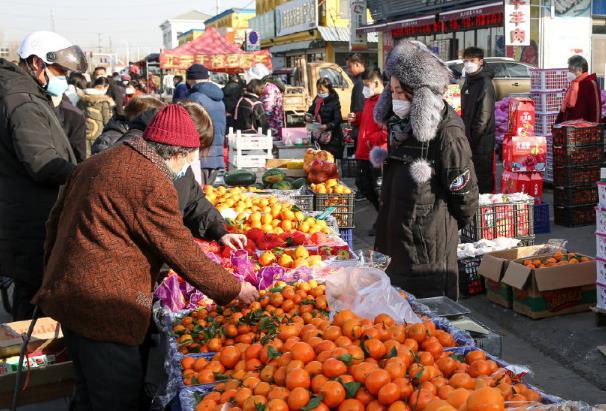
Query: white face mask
368,92
322,95
401,108
571,76
470,67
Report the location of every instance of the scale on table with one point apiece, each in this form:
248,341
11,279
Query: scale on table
456,313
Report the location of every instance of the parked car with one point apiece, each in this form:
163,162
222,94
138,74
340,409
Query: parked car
510,76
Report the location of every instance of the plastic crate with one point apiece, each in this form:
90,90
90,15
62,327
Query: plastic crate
577,155
574,216
567,136
470,282
544,122
548,79
574,176
541,219
575,196
346,235
513,220
547,101
344,203
349,168
305,202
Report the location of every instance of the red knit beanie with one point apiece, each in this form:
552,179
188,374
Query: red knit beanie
174,127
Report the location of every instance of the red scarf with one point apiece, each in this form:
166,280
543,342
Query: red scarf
319,104
570,100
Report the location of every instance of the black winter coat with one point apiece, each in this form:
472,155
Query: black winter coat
250,114
418,224
74,125
357,95
477,105
231,94
35,160
330,114
117,91
112,132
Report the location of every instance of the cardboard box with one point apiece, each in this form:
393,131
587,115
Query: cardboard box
551,291
521,154
493,267
47,332
530,183
521,116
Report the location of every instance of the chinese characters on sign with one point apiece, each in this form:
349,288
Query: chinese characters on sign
218,62
296,16
358,19
517,22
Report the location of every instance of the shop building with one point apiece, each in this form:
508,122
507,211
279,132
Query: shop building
232,24
174,27
310,29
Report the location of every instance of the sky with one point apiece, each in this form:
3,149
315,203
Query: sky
107,22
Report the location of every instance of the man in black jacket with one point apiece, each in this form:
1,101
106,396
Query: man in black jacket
74,125
35,156
477,105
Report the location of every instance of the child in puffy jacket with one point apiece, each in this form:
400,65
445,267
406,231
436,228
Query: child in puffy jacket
371,136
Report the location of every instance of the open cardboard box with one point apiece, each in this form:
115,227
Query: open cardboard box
551,291
493,267
281,164
45,383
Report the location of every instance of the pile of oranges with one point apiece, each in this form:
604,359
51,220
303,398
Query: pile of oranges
294,358
557,259
275,313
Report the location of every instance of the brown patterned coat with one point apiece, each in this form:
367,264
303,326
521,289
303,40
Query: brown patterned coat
116,221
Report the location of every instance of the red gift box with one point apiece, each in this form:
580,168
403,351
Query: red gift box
522,154
521,117
528,183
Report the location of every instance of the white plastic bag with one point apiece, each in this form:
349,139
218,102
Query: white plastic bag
367,292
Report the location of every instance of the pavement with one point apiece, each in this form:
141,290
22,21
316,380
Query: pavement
561,352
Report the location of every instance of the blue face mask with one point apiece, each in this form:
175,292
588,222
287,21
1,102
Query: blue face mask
56,86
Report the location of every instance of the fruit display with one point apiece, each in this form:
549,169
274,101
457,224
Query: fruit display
329,187
319,165
306,362
554,260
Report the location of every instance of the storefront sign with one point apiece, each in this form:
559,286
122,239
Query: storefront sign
220,62
390,9
264,24
357,41
447,24
296,16
253,41
517,22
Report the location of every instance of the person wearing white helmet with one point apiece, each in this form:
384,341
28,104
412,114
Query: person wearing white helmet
272,97
35,156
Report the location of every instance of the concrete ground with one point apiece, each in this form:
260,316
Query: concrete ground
560,351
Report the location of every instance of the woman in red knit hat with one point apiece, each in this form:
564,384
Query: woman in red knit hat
115,223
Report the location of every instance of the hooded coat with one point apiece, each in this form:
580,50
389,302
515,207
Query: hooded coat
330,115
210,96
35,160
97,109
477,105
429,188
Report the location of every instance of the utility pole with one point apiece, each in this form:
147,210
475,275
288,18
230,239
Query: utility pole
216,7
52,20
99,48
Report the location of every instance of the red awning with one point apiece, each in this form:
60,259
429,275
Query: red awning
215,52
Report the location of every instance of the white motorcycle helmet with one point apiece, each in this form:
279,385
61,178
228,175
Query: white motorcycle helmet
53,49
257,72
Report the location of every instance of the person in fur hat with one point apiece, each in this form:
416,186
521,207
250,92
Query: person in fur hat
429,188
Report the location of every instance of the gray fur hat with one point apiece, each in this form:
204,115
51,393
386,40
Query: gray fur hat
428,77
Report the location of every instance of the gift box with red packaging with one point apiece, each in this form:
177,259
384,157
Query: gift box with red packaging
521,116
521,154
528,183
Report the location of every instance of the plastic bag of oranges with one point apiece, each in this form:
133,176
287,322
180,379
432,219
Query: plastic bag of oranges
366,291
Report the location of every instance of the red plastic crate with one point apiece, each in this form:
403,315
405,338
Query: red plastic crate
577,155
513,220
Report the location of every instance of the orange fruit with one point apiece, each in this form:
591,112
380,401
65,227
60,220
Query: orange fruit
251,402
417,332
188,362
375,380
229,356
399,406
389,393
486,399
364,396
333,368
298,398
439,405
404,386
303,352
352,404
242,395
375,405
361,371
375,348
333,393
280,393
458,397
297,377
419,399
317,382
462,380
206,405
474,356
277,404
343,316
